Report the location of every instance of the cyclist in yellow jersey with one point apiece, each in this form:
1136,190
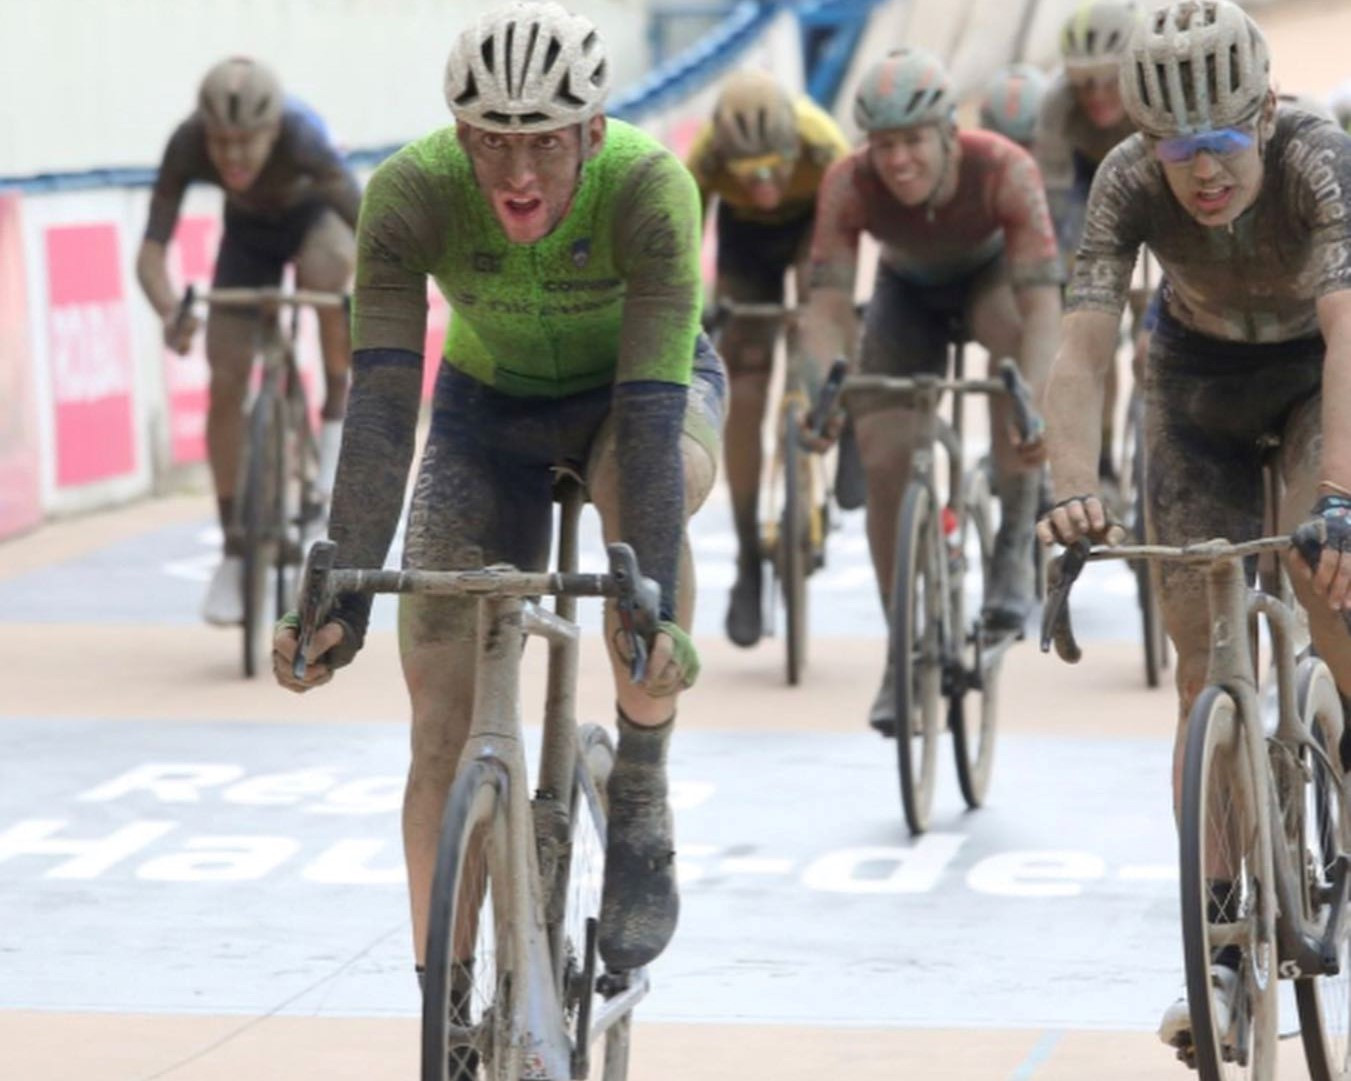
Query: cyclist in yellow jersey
762,156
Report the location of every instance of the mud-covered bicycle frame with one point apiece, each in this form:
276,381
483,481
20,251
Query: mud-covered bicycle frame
536,1031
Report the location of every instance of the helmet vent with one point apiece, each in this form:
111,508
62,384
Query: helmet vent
598,76
469,94
565,95
915,99
551,53
261,109
486,51
530,48
1143,85
234,109
507,50
1090,42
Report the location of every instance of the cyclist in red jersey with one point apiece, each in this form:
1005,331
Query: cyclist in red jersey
966,241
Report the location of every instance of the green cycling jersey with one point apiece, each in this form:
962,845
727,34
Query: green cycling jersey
610,295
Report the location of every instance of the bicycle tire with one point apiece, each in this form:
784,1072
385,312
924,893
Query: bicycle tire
1324,1000
1218,775
974,750
914,611
466,1015
260,523
793,545
595,759
1153,635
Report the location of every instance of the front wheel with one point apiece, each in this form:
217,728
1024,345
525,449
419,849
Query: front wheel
794,544
586,873
915,606
1228,903
261,518
468,997
973,700
1321,846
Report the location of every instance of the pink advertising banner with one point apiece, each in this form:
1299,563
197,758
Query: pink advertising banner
89,339
192,259
20,461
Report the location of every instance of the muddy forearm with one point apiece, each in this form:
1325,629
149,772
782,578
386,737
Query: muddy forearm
827,328
1039,306
152,271
1335,317
1072,403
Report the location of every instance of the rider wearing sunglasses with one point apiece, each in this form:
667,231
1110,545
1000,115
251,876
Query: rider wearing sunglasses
762,156
1244,205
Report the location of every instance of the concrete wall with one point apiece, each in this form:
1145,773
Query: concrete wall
93,83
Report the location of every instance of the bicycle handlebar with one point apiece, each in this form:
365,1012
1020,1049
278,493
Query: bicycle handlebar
1056,626
263,297
637,598
1025,416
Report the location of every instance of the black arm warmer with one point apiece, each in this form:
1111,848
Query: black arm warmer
377,449
649,418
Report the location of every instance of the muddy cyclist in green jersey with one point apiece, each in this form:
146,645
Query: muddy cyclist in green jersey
567,245
289,198
1244,204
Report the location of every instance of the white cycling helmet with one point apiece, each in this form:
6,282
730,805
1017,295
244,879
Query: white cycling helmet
1195,65
527,67
240,94
1095,35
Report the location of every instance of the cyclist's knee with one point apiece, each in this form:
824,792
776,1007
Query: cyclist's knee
327,256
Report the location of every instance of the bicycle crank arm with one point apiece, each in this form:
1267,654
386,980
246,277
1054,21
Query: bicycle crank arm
312,598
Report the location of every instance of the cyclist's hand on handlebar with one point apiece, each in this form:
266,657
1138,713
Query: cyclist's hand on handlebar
1327,536
179,329
1077,517
672,660
821,442
284,644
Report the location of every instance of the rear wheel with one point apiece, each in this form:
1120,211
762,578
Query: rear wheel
794,544
915,606
1320,846
973,701
467,1000
261,518
1228,905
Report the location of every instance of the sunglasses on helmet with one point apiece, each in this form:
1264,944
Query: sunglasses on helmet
1222,142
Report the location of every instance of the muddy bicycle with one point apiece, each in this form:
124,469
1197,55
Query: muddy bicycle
1265,836
796,519
278,507
513,987
944,537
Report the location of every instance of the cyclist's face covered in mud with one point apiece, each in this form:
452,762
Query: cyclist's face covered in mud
910,161
530,178
239,156
1216,175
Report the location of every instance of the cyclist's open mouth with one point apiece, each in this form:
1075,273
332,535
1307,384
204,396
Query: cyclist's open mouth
1212,199
521,209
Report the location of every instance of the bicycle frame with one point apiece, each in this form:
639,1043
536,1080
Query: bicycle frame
537,1040
1235,608
925,393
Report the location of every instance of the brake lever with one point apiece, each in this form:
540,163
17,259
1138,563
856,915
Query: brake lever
637,603
312,599
1309,540
1026,419
1055,616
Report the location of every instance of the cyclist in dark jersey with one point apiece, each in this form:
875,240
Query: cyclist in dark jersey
1244,204
966,241
762,157
289,197
568,248
1081,119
